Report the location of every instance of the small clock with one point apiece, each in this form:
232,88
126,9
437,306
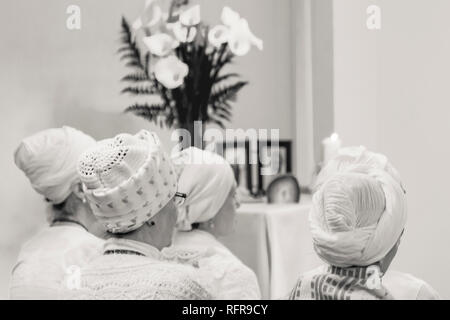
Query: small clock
284,189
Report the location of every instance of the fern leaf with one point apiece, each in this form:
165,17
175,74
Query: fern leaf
226,77
148,112
222,108
136,77
227,93
140,90
218,122
128,56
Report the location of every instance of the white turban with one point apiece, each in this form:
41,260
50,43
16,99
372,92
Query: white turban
207,179
356,156
49,160
357,216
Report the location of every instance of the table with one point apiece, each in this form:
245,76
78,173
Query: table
274,240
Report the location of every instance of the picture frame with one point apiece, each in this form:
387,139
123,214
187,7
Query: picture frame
274,159
250,162
237,153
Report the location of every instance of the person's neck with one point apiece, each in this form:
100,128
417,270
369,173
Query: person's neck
67,222
154,239
206,228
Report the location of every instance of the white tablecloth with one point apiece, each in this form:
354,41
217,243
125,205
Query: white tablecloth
274,240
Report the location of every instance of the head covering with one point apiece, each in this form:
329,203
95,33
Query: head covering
127,180
49,160
357,217
350,157
206,178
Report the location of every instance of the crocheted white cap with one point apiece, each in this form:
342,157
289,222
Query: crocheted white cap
127,180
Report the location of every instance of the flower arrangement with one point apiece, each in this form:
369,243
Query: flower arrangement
182,61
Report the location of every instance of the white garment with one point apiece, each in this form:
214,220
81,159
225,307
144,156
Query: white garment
140,276
45,260
404,286
335,283
225,276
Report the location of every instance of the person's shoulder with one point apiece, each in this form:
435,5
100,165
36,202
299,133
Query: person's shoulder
306,277
405,286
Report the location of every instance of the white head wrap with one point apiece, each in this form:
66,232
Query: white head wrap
127,180
49,160
207,179
356,156
357,216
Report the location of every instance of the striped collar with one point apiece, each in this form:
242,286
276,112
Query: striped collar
125,246
354,272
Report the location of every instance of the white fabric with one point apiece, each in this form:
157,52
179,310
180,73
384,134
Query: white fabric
342,238
225,276
274,240
404,286
49,159
45,260
134,277
127,180
207,179
348,158
328,282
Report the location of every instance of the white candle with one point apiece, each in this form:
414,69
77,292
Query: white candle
331,146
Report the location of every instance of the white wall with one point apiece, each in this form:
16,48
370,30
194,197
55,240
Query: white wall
392,94
51,76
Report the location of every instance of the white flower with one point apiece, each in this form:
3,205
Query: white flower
191,16
241,38
137,24
230,17
218,35
160,44
182,33
152,13
170,72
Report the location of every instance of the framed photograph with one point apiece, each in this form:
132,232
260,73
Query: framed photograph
274,159
255,165
237,153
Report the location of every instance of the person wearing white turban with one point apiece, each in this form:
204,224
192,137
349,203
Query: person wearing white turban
131,186
207,182
357,219
48,159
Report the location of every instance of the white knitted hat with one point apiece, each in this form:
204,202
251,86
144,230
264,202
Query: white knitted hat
127,180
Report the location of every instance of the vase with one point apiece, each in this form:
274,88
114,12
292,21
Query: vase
191,134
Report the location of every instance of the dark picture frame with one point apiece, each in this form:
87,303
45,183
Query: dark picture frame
281,153
250,168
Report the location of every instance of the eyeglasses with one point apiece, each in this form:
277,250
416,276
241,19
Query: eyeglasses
179,198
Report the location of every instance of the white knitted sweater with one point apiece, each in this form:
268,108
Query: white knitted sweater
136,277
46,259
220,271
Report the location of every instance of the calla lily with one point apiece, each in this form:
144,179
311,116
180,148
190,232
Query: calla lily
241,38
182,33
152,13
218,35
160,44
230,17
191,16
170,72
137,24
